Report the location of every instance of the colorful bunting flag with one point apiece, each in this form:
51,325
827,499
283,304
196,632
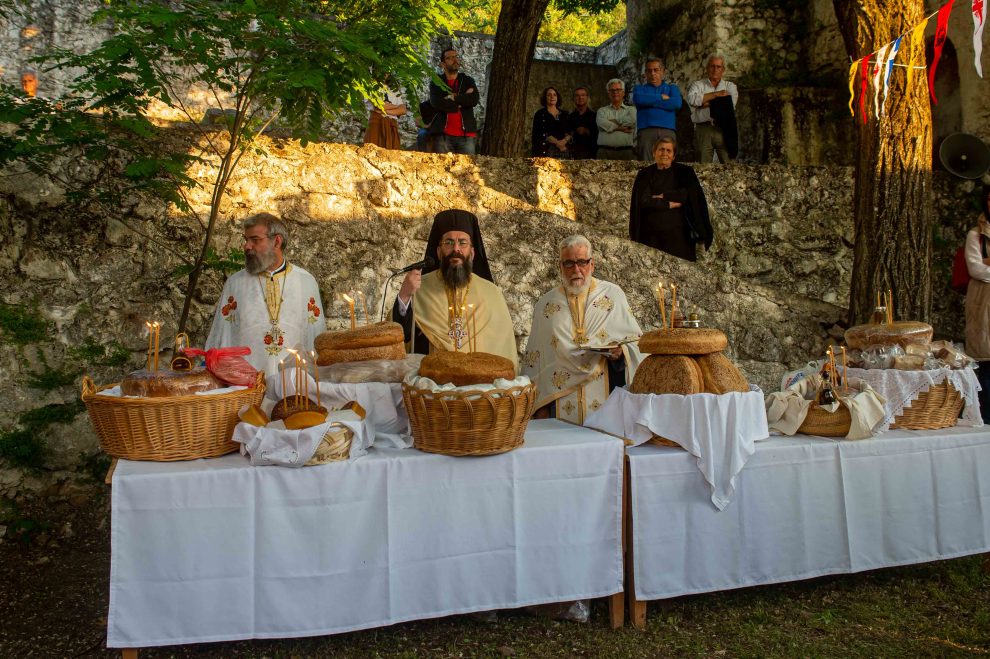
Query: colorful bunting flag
888,67
940,32
878,67
979,15
864,75
916,56
853,68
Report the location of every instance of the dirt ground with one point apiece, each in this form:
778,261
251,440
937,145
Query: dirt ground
54,576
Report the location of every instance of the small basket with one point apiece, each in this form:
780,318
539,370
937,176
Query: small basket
334,446
938,407
826,424
469,422
170,428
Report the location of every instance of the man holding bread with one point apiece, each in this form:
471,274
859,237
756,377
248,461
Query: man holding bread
456,307
583,341
271,305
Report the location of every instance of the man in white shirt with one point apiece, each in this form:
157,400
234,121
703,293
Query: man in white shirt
616,124
710,138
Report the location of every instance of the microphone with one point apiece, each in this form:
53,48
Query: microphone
428,262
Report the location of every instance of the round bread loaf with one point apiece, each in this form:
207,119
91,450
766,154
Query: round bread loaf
465,368
326,357
903,332
292,404
683,341
158,384
720,375
668,374
367,336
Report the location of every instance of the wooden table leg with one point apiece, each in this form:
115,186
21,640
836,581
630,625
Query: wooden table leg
637,609
617,603
617,610
129,653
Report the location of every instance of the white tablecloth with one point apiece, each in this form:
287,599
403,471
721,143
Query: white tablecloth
807,507
720,431
213,550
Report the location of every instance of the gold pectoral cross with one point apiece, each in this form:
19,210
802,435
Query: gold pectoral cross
457,333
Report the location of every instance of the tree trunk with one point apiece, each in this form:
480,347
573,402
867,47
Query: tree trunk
506,123
892,201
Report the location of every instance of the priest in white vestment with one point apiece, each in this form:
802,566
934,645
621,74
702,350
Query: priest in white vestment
271,305
457,306
584,338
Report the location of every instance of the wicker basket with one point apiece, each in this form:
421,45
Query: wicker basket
939,407
334,447
826,424
167,429
470,422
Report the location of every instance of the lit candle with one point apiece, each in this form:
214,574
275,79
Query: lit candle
151,342
281,369
890,306
845,370
305,380
295,378
662,303
364,303
158,329
465,328
673,304
472,330
350,301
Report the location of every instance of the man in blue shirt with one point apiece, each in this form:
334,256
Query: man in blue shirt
657,103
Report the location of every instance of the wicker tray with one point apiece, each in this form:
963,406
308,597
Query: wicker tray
469,423
826,424
938,407
167,429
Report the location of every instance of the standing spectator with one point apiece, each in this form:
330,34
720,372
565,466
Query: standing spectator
657,103
424,141
550,128
978,300
709,134
616,124
383,125
583,127
29,82
668,209
454,127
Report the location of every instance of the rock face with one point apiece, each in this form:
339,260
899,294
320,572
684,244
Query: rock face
776,279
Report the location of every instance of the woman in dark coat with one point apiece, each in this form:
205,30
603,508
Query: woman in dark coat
668,210
550,137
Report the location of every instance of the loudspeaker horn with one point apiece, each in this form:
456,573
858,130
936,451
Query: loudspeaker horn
964,155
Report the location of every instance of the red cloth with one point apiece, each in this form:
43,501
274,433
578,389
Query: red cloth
940,33
228,364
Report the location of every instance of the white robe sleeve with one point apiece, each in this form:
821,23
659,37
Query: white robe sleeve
317,328
219,331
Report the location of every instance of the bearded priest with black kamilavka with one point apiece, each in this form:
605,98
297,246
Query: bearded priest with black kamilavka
458,306
583,342
271,305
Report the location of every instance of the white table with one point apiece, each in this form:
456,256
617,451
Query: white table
215,550
806,507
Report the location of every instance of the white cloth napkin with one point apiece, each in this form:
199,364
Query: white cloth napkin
274,445
787,409
719,430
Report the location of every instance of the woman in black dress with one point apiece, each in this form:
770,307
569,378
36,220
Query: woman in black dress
668,210
550,136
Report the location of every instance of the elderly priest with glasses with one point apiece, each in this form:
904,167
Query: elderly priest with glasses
583,341
458,306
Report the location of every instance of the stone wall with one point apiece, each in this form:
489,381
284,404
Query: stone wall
776,279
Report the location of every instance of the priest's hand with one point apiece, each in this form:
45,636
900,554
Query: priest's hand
410,285
614,353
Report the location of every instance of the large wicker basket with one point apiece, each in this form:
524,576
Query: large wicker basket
167,429
471,422
823,423
938,407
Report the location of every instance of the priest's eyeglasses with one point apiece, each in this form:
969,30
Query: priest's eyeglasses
581,263
463,243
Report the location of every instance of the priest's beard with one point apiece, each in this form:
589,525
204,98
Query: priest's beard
257,262
455,276
572,289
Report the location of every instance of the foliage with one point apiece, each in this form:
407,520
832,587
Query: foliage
230,262
581,26
92,353
22,325
295,61
25,445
